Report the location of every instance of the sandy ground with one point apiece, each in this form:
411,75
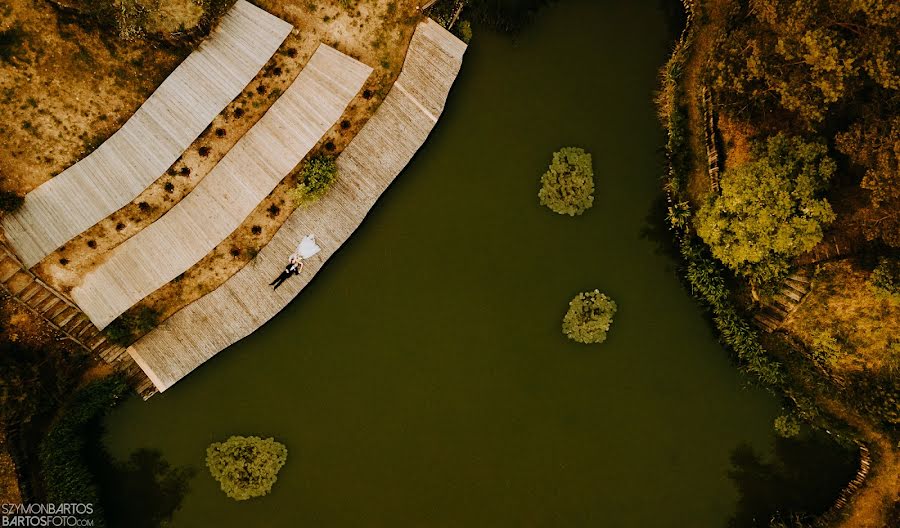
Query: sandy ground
64,90
375,32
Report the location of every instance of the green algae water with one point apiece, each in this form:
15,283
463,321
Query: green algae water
422,378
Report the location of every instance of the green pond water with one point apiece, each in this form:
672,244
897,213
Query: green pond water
422,378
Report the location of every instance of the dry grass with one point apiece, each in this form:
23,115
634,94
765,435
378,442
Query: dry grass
864,326
64,90
736,138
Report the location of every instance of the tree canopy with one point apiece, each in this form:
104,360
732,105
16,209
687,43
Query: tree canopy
769,209
568,186
246,466
806,55
873,143
589,317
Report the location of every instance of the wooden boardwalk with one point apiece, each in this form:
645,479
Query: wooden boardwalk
365,168
228,194
60,313
152,139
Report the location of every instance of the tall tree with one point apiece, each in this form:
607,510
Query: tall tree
769,209
806,55
874,144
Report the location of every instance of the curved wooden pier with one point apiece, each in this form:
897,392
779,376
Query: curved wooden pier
229,193
365,168
152,139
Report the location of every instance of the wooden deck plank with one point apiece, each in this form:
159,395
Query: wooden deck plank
152,139
228,194
365,168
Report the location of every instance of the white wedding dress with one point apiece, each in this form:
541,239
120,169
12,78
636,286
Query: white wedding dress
307,247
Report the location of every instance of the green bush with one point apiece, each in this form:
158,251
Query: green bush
589,317
315,179
885,279
246,466
10,201
464,31
65,472
568,186
131,325
787,426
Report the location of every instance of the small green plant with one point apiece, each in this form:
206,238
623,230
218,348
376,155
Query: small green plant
315,178
885,279
131,325
464,31
826,350
246,466
10,201
589,317
787,426
568,186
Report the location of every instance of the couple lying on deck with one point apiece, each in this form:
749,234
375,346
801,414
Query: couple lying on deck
305,250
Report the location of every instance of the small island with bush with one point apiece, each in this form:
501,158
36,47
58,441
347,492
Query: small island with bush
567,187
246,466
589,317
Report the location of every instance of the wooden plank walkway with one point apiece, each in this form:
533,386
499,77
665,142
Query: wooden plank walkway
365,168
152,139
228,194
60,313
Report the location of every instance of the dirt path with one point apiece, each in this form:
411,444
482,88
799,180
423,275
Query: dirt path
871,504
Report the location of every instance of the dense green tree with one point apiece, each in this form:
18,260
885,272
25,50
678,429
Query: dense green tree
568,185
769,209
589,317
874,144
314,179
806,55
246,466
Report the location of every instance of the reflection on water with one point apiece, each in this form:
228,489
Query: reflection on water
143,491
791,484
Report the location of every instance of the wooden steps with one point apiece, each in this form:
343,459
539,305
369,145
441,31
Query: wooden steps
60,313
712,148
782,304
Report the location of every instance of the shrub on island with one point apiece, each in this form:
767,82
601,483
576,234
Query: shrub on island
314,180
246,466
568,185
589,317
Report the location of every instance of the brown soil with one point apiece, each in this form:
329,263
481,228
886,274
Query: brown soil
64,90
736,136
